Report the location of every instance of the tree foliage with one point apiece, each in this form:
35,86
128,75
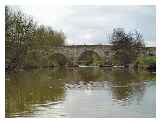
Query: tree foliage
22,35
126,46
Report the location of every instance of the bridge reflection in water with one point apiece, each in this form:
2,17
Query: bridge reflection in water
80,92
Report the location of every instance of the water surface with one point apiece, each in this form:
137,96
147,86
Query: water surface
80,92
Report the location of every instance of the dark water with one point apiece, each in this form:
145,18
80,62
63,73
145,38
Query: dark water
81,92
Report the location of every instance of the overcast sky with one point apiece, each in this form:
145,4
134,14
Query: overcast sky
94,24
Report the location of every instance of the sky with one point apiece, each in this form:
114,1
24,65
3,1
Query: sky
94,24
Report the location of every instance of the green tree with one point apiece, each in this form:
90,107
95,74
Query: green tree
18,32
126,46
45,37
26,41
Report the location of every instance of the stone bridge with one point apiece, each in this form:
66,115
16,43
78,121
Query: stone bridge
74,52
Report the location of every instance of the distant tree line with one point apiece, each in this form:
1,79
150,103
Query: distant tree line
23,34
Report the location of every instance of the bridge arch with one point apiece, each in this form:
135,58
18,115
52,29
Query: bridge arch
74,52
58,59
90,57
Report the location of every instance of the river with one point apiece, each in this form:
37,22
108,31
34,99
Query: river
80,92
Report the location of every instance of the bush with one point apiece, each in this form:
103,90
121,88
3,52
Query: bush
148,62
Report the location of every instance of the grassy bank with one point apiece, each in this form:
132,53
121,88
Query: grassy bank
146,62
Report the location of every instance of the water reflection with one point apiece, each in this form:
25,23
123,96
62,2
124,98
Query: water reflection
80,92
27,88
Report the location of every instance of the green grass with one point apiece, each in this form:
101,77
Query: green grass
146,61
149,60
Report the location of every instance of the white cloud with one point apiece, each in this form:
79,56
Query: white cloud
89,24
88,36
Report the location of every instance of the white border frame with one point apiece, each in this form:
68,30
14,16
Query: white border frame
75,2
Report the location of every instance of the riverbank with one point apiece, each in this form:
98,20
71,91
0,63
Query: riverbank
132,67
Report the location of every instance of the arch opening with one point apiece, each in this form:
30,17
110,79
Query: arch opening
57,59
90,58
